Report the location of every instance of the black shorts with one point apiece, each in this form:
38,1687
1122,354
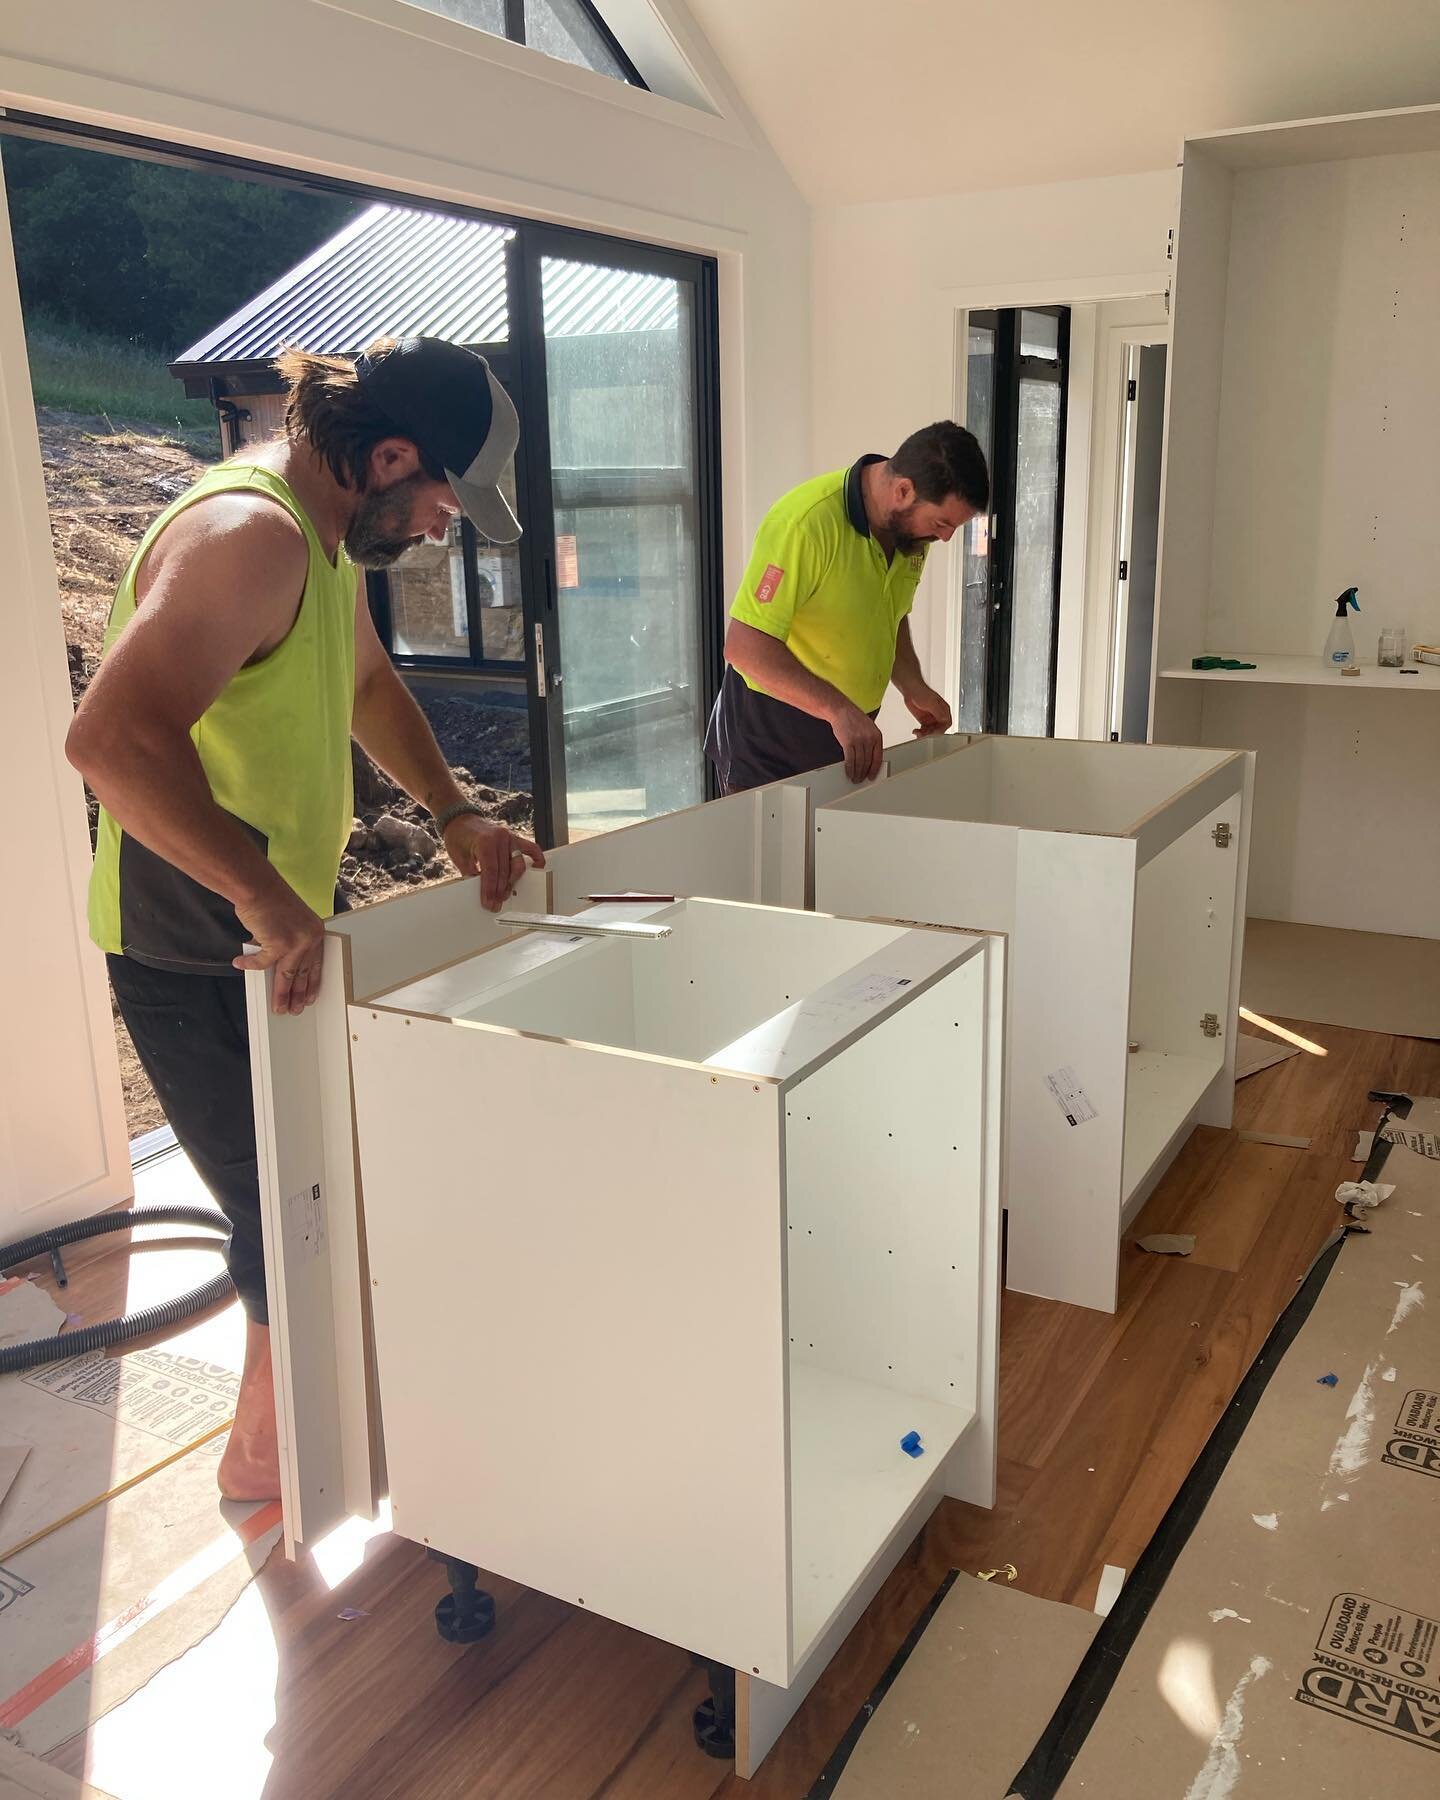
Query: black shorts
192,1039
754,738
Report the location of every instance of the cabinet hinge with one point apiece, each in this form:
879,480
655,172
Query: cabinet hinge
1129,390
1124,569
1210,1025
1221,835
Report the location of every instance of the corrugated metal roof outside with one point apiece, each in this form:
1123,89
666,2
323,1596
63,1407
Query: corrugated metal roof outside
395,272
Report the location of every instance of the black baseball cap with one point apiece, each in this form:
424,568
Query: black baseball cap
446,400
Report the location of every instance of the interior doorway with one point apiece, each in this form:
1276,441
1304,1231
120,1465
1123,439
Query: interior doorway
1137,539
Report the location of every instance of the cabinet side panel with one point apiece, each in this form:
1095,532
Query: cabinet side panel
611,1227
1192,428
1069,1013
885,1196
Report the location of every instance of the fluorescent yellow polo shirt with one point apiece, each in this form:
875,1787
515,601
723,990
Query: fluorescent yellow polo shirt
819,582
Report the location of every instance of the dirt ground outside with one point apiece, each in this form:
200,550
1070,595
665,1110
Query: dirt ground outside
106,481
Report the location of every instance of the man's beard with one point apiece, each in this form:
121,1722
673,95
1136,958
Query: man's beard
905,541
372,537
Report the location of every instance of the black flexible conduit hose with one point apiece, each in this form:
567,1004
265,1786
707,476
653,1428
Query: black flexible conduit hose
14,1358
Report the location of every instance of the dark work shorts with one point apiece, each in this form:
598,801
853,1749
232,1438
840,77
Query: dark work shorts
191,1036
754,738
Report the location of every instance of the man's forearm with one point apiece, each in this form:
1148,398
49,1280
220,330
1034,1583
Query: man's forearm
390,728
157,792
772,664
906,672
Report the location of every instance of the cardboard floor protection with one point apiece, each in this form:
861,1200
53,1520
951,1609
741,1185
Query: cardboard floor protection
25,1777
972,1696
96,1607
1293,1652
1367,980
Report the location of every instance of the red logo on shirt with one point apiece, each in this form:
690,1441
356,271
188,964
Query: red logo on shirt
769,584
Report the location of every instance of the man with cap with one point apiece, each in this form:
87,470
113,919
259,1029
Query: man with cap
820,627
240,660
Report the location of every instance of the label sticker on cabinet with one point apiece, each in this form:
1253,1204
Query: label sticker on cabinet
1070,1097
305,1221
1376,1665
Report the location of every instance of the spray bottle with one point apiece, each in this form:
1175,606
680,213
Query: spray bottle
1340,645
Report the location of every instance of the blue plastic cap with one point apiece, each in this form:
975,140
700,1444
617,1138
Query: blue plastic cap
911,1444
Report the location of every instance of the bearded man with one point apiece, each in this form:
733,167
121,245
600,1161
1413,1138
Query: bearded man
820,626
240,660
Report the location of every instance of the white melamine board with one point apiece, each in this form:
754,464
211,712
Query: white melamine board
1159,829
1041,784
1069,1009
971,1472
712,850
308,1214
604,1299
885,1196
882,986
889,866
740,966
1398,132
1184,932
957,787
1050,784
1161,1095
1326,475
1310,671
1192,423
763,1709
1340,781
396,940
851,1484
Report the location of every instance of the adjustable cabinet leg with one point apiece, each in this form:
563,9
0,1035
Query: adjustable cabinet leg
467,1613
715,1716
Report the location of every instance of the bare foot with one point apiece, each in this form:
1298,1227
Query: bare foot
250,1467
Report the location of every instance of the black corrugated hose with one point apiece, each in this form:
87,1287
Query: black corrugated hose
16,1357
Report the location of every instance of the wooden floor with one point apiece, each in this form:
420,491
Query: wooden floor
1100,1419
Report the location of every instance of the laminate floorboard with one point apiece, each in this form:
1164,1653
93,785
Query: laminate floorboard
1101,1418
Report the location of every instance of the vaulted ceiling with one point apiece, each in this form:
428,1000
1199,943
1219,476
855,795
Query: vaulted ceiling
865,99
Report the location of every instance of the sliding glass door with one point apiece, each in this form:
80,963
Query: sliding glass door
1016,368
623,527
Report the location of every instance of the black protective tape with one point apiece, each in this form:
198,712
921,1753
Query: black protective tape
1049,1762
826,1781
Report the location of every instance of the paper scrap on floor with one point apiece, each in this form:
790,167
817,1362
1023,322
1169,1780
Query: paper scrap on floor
1252,1054
974,1694
1294,1650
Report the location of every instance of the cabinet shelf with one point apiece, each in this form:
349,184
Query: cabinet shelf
1308,671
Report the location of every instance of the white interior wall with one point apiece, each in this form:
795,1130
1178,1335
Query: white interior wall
1329,482
382,93
889,279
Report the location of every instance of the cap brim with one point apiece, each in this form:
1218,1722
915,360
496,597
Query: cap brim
486,508
478,489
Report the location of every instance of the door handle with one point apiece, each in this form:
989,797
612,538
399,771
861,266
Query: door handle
540,660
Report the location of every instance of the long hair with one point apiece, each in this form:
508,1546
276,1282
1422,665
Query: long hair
327,411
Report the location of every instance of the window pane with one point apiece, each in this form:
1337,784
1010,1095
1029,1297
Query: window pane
621,383
975,600
427,600
1037,474
563,28
502,624
1040,335
485,15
